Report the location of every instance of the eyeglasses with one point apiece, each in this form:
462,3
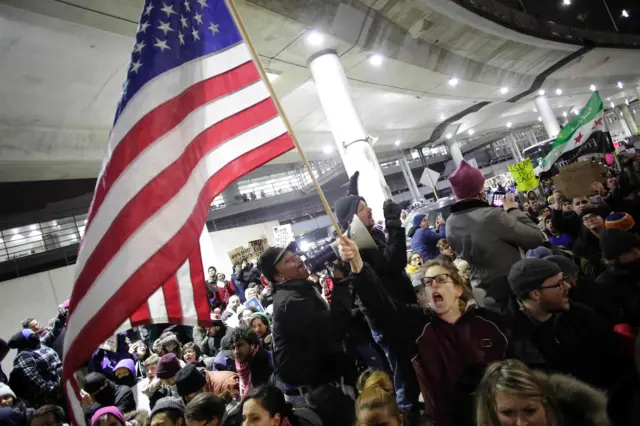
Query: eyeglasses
440,279
560,285
589,217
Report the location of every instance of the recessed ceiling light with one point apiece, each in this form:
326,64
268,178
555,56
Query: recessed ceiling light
612,105
593,88
396,143
449,135
509,125
564,114
471,132
315,38
566,2
504,90
620,85
376,59
558,91
453,82
540,119
327,149
625,14
541,92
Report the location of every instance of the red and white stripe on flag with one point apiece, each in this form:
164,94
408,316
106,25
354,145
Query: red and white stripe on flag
182,137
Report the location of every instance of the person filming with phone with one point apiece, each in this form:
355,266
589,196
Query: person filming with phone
491,239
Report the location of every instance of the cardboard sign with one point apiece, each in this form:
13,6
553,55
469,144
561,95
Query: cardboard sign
574,180
111,344
524,175
237,255
283,234
259,246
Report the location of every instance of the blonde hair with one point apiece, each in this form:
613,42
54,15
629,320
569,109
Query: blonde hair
514,377
376,391
442,244
462,265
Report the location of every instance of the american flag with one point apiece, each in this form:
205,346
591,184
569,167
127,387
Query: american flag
194,116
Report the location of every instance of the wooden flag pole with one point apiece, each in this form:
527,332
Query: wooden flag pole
287,124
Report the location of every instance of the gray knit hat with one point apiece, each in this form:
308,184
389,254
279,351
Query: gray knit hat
168,403
528,274
569,268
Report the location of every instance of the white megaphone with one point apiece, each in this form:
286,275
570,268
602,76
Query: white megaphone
358,233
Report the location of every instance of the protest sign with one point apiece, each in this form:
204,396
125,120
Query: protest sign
237,255
254,302
111,344
524,175
575,179
259,246
283,235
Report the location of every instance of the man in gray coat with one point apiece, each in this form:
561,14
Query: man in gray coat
491,239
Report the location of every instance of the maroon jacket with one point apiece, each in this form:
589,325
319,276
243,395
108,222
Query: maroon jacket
451,359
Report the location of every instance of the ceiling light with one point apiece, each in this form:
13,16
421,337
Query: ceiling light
620,85
442,117
558,92
315,38
625,14
327,149
535,109
453,82
564,114
540,119
541,92
626,101
471,132
566,2
509,125
612,105
575,111
396,143
376,59
593,88
449,135
504,90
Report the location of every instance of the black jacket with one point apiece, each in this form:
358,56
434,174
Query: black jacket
120,396
577,342
389,260
567,223
619,290
308,333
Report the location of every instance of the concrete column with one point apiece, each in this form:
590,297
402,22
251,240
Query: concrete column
350,136
411,181
454,151
531,134
549,119
516,150
628,117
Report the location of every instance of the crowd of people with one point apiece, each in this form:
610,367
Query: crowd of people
521,315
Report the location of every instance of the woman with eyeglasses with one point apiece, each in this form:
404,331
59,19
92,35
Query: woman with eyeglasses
450,342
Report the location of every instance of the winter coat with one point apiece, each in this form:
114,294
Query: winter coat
425,241
619,290
223,363
579,403
120,396
308,333
412,334
587,245
491,240
209,345
239,285
560,240
4,350
451,359
568,223
577,342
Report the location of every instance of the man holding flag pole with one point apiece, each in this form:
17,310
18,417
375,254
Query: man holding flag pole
197,112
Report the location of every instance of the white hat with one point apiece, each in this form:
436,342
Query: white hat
6,391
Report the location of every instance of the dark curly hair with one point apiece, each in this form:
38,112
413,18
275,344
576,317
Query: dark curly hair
243,333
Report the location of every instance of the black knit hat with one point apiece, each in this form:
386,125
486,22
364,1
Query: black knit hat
189,380
93,382
346,207
601,211
168,403
615,242
528,274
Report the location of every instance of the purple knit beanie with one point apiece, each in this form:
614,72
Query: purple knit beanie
466,181
108,410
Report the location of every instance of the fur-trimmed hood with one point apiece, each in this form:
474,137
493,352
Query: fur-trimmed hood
580,404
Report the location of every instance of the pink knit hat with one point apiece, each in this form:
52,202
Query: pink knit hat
466,181
108,410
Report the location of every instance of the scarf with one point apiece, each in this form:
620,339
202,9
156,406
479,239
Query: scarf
244,372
